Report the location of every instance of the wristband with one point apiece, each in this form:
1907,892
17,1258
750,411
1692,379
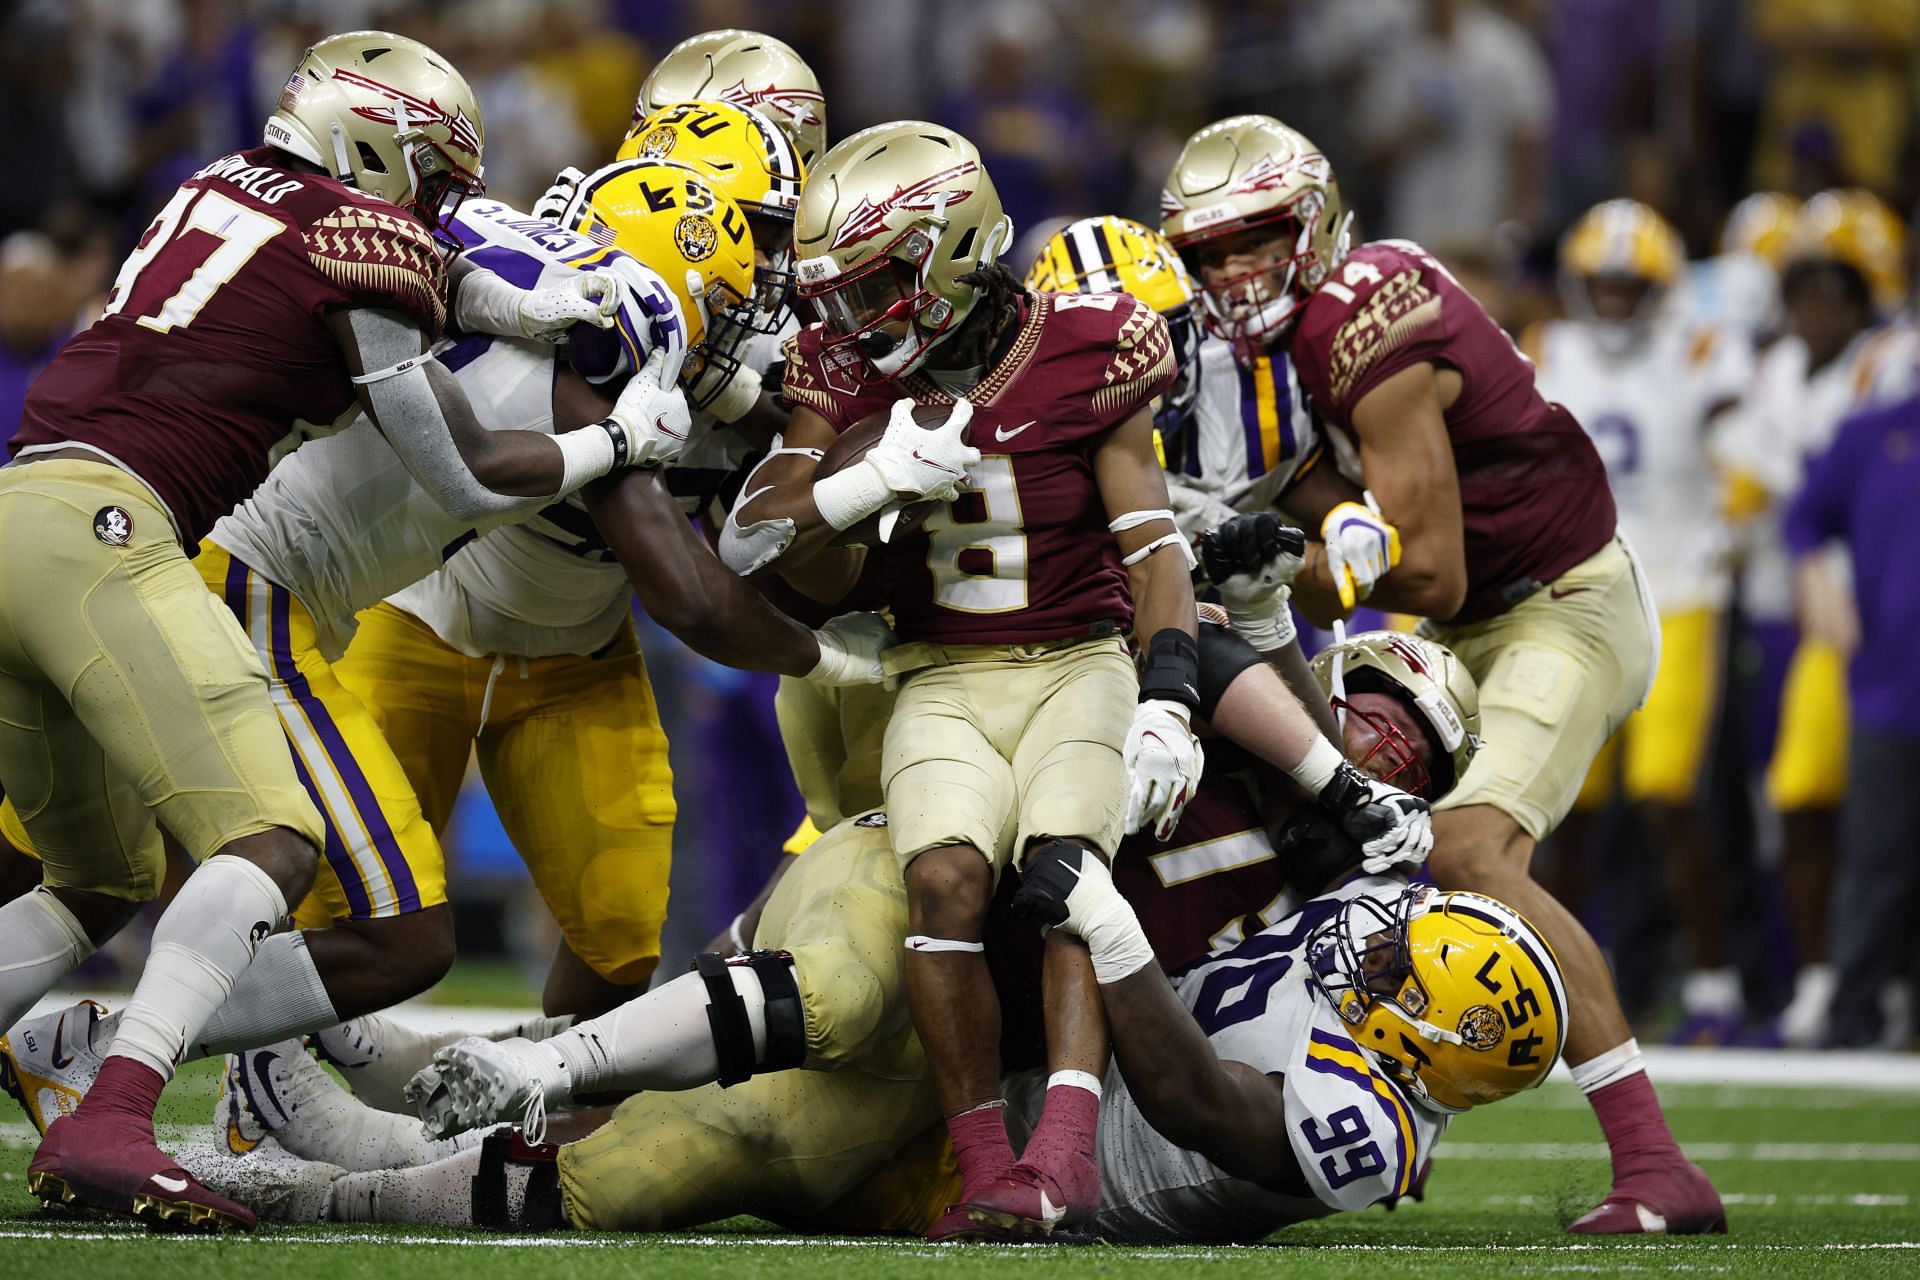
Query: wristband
1173,669
588,454
848,497
1318,767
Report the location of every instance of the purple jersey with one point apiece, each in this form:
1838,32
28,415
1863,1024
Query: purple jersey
1534,499
215,342
1023,554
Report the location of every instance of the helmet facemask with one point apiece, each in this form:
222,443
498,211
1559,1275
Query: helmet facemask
885,308
440,185
1394,757
1258,308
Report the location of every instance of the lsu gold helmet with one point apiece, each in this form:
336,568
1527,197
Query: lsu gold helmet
1617,264
890,221
1109,254
1855,227
1457,997
747,69
1245,174
388,116
672,220
1762,225
1433,685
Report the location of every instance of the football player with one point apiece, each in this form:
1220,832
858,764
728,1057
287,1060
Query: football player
677,1156
538,615
1466,498
1844,275
338,525
277,288
1648,382
1737,291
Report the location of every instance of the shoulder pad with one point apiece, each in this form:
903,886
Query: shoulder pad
1141,363
382,258
1379,300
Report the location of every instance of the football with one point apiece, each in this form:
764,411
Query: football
852,446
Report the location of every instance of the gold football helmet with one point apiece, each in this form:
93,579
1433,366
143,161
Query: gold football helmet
1110,254
1762,225
1246,174
671,220
747,69
1437,689
1629,252
1855,227
889,222
387,116
1456,996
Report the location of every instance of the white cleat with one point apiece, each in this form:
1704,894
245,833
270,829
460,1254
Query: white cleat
477,1082
275,1184
263,1092
49,1063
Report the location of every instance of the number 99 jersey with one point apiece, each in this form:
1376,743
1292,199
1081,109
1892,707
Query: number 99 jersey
1358,1139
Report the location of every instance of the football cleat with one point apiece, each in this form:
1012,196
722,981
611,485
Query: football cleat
276,1184
109,1161
479,1082
49,1063
1675,1198
957,1226
1030,1203
263,1091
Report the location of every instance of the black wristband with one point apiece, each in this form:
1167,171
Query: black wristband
1173,669
619,439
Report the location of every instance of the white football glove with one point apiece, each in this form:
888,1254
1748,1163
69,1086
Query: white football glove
653,417
1393,829
1251,559
1066,886
1196,508
1163,761
553,202
475,1082
850,649
908,460
1361,547
590,297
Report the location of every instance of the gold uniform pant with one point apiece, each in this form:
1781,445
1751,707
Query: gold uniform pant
832,736
129,697
994,745
794,1146
1657,754
1559,673
572,753
1809,765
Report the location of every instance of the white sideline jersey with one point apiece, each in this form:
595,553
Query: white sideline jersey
341,524
1358,1138
1736,293
550,586
1251,430
1648,411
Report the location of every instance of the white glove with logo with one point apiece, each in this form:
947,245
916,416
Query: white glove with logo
1393,829
553,202
850,649
1066,886
1251,559
591,297
1361,547
653,418
1163,761
909,459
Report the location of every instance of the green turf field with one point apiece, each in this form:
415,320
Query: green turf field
1818,1182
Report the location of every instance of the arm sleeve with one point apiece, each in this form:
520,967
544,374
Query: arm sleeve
1818,512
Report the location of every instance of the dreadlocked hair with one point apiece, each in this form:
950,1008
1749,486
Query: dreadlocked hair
1003,288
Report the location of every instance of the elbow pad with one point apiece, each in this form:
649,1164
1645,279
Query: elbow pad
747,549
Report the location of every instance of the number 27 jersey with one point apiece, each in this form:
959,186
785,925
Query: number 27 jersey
1359,1140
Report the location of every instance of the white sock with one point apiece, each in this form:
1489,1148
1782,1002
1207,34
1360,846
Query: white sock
280,995
377,1055
201,946
436,1195
1076,1080
40,943
1611,1067
661,1040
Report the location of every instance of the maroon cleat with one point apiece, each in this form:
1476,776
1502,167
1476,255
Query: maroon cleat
1674,1198
1031,1203
956,1226
109,1161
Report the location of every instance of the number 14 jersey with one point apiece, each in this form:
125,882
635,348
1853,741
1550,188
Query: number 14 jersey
1359,1140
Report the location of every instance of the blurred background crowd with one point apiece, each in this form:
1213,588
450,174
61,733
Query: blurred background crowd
1482,129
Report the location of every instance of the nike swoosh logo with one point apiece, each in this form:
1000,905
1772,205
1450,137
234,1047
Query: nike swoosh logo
173,1185
939,466
660,425
1003,435
61,1061
1556,593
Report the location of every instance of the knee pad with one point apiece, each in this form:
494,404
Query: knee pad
1223,656
786,1017
517,1187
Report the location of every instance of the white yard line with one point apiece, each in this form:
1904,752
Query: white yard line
1771,1151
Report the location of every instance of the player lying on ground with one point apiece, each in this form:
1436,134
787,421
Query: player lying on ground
853,1143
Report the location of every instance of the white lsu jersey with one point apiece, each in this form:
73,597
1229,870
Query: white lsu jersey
1359,1139
1648,410
549,586
1251,430
341,524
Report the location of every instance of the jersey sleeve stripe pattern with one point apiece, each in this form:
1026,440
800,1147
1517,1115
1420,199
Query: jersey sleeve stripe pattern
1397,310
1334,1056
1142,362
1266,414
372,251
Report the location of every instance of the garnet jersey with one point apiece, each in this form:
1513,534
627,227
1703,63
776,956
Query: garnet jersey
1023,554
215,347
1533,492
